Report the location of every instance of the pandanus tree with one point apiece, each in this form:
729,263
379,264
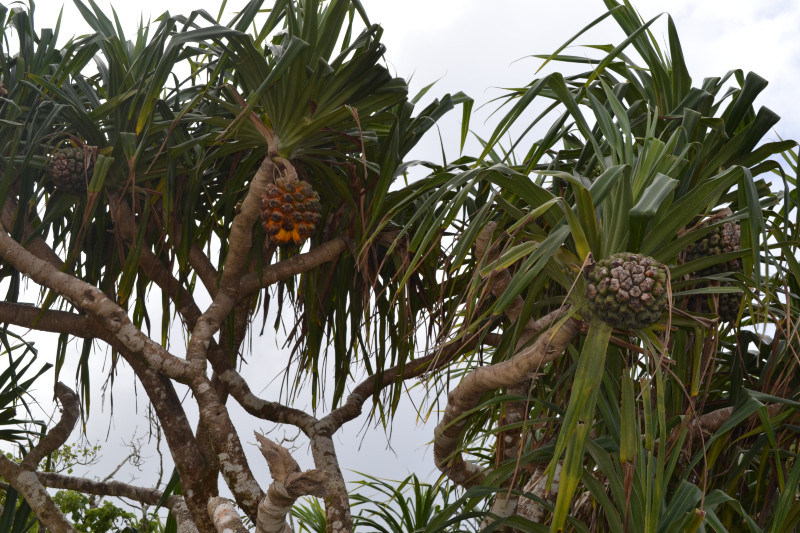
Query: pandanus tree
623,267
142,166
593,302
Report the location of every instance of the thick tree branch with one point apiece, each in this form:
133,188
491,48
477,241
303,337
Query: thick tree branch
289,483
466,396
32,317
324,253
232,461
224,516
337,502
197,480
231,457
58,435
159,389
148,496
91,300
538,486
22,476
240,242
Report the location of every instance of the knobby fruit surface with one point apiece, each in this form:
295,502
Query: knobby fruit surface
290,211
627,290
70,171
723,239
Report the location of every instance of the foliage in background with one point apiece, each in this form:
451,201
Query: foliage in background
405,506
688,424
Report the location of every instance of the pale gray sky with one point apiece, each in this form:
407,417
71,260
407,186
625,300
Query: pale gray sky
474,46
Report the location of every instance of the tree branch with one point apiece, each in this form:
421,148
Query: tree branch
257,407
94,302
467,394
32,317
289,483
231,457
148,496
197,480
337,502
353,406
22,476
58,435
239,244
709,423
204,269
324,253
532,509
224,516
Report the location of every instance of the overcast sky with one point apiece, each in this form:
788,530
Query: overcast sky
477,46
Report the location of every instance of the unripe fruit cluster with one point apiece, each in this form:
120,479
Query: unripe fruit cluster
627,290
69,170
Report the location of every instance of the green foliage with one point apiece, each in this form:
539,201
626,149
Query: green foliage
310,516
103,518
406,506
20,356
16,516
686,424
635,156
177,113
87,519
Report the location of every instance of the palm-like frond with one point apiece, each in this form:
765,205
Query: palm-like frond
20,357
178,114
634,158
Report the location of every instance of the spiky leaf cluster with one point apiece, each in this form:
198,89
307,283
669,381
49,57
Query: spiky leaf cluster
70,170
627,290
290,211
